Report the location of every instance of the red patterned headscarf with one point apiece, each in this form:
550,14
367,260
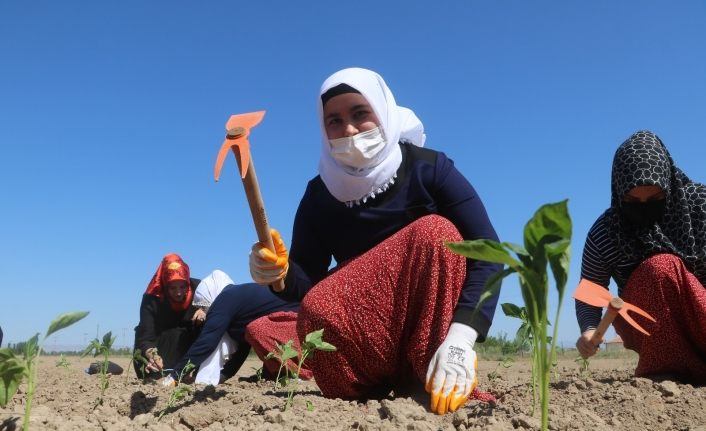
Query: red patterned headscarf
172,268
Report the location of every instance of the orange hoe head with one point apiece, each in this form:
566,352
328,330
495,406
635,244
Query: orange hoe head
598,296
237,132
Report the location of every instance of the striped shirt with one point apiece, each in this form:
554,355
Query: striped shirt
601,261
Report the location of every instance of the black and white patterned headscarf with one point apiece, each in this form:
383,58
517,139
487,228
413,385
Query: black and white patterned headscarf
643,160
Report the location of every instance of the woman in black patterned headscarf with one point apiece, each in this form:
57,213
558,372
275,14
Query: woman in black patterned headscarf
652,242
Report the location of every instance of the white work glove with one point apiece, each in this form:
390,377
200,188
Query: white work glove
267,267
168,381
451,376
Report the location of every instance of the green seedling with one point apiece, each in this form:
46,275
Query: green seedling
62,362
583,365
101,348
283,353
312,342
505,363
258,373
547,240
524,334
555,368
525,337
139,358
180,391
13,369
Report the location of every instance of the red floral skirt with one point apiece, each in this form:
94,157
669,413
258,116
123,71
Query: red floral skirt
386,311
663,287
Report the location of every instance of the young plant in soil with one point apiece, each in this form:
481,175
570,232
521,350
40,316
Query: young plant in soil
547,240
139,358
62,362
180,391
505,363
13,369
101,348
283,353
312,342
525,336
584,365
258,373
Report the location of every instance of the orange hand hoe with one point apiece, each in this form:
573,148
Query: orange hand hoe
237,133
598,296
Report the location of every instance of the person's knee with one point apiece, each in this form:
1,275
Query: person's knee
663,269
313,315
659,264
433,228
254,328
309,311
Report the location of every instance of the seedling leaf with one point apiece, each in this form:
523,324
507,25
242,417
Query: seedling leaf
326,347
64,320
314,336
484,249
12,370
492,287
32,347
511,310
108,340
559,256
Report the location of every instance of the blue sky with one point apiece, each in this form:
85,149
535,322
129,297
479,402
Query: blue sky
112,113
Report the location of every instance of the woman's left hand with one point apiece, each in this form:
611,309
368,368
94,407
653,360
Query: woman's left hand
199,317
452,372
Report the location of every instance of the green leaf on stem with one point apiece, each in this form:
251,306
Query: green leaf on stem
549,224
512,310
12,371
108,340
32,347
486,250
64,320
559,256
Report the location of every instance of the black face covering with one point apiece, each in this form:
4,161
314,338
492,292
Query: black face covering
644,214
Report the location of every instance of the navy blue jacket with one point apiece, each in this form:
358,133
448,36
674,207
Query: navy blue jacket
231,311
427,183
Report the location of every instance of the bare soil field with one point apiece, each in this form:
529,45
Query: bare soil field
606,397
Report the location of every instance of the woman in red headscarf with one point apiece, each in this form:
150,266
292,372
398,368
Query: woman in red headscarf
169,324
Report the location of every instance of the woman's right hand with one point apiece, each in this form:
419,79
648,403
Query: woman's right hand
154,361
199,317
585,346
267,267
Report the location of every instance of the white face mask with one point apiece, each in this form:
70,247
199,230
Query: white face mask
358,152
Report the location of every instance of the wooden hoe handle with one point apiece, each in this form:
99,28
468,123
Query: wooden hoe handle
613,308
259,217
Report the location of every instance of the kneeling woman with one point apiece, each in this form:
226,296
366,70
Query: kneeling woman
169,323
652,242
399,306
221,348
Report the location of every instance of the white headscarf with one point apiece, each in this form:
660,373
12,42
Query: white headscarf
397,124
210,287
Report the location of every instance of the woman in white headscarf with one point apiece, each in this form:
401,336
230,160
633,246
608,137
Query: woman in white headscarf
399,305
220,349
210,287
